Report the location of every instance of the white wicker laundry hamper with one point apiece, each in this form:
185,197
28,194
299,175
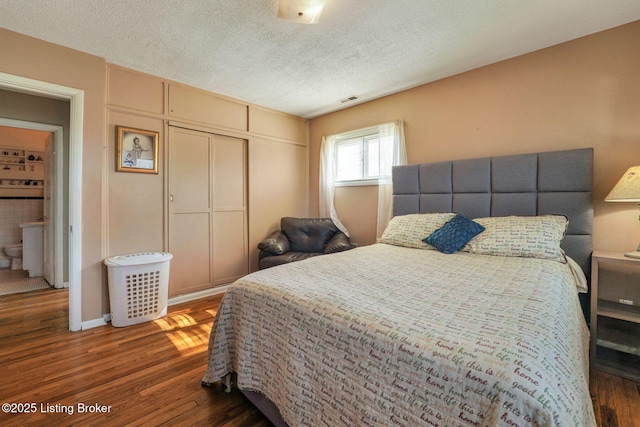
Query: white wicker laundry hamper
138,287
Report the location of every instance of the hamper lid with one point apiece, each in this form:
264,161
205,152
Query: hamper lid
137,259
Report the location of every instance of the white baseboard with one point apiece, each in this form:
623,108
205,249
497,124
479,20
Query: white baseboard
172,301
65,285
93,323
197,295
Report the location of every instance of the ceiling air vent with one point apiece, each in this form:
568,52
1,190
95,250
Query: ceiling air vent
348,99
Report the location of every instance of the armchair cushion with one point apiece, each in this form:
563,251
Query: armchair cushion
276,244
308,234
338,243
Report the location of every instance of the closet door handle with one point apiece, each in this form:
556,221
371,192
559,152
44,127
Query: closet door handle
171,198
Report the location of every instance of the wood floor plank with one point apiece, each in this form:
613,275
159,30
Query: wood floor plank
149,374
593,391
632,397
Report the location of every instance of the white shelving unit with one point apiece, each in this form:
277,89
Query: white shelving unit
21,172
615,314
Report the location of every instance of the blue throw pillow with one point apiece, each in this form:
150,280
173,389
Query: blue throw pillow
454,234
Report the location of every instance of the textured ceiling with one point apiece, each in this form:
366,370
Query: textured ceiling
366,48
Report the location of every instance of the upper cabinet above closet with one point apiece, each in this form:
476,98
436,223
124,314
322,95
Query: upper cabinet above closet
278,125
206,108
135,91
191,107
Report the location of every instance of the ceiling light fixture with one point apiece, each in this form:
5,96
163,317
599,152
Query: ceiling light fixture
303,11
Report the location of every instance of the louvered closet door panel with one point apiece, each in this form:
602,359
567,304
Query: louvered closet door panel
190,211
231,256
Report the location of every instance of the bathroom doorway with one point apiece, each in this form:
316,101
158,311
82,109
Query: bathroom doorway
31,206
72,173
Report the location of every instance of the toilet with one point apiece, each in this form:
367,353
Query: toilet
14,252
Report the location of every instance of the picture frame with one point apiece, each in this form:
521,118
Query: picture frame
137,150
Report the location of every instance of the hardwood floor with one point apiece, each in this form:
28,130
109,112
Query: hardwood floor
616,401
149,374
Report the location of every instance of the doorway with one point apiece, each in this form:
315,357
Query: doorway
42,199
76,107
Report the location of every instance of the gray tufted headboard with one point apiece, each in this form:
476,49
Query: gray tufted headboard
558,182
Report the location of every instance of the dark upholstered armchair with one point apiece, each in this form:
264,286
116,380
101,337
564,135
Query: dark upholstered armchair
302,238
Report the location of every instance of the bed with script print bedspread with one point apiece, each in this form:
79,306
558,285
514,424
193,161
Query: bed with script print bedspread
386,335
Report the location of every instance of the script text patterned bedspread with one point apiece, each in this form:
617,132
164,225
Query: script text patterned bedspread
385,335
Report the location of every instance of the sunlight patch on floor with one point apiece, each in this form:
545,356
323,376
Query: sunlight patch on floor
171,322
184,331
192,338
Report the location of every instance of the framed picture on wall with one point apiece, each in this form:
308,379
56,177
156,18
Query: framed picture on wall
137,150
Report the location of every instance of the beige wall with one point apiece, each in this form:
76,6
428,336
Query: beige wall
277,183
34,59
26,139
138,212
278,173
126,212
584,93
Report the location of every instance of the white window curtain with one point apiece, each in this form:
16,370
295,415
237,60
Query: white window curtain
328,181
392,152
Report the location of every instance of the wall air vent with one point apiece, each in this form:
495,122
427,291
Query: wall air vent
348,99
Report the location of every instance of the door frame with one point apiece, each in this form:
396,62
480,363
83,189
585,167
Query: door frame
58,202
76,101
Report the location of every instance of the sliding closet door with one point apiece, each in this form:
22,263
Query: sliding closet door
190,210
230,253
208,210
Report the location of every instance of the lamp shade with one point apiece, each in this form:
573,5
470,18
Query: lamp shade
303,11
628,187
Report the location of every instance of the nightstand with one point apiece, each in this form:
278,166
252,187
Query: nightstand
615,314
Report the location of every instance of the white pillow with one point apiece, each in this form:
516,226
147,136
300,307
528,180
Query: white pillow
521,236
409,230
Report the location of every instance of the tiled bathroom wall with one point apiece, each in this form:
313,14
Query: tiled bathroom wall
14,212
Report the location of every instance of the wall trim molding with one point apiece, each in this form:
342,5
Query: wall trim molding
106,318
90,324
198,295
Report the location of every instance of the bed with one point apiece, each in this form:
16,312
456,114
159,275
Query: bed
402,333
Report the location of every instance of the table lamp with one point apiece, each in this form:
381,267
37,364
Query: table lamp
627,190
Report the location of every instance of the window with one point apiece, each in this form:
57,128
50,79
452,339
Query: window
361,157
358,160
